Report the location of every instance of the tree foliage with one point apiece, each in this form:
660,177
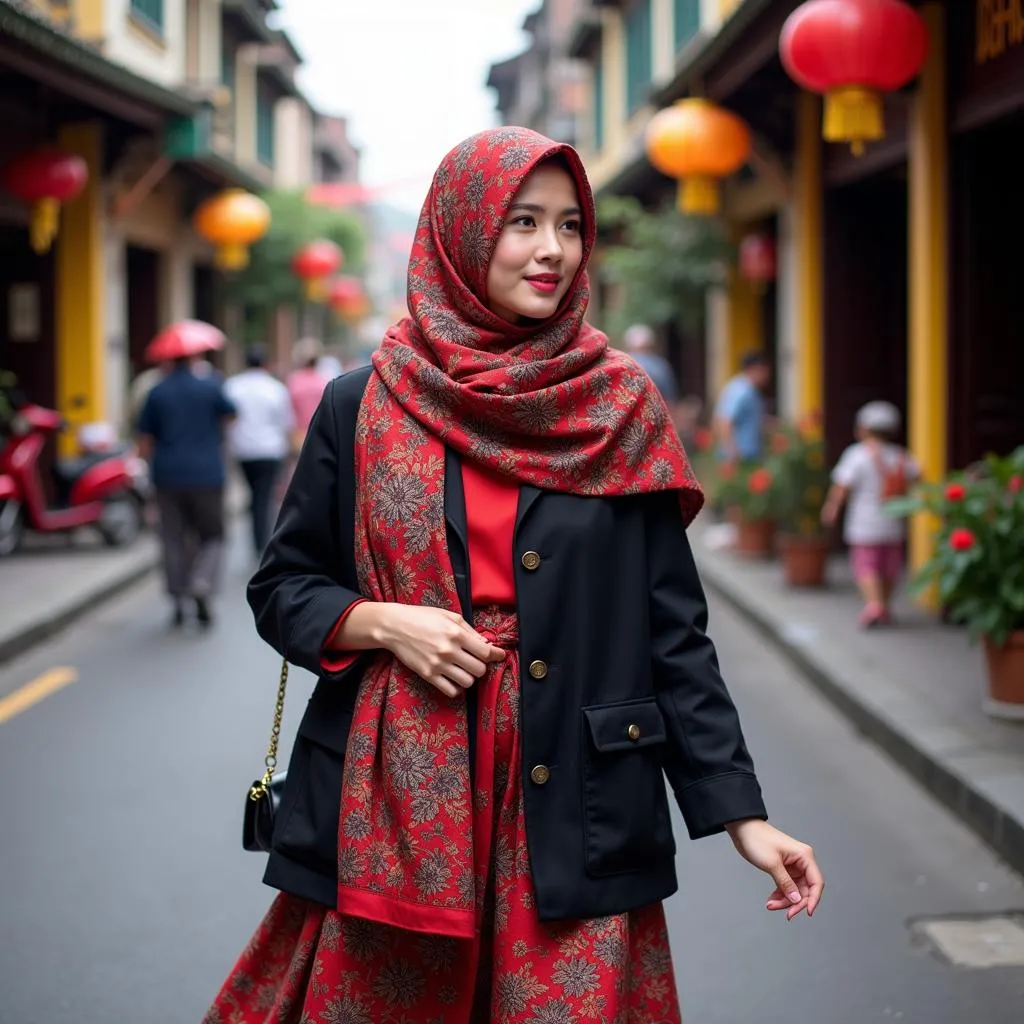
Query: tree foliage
268,282
664,260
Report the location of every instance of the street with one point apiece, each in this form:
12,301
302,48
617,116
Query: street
126,896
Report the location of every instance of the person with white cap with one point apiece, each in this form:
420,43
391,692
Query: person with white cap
870,473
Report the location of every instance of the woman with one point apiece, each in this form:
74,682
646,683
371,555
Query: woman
483,554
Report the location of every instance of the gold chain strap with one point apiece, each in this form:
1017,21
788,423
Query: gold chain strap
260,788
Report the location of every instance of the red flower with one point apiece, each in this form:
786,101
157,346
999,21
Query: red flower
760,481
727,470
703,439
780,443
961,539
956,492
1016,484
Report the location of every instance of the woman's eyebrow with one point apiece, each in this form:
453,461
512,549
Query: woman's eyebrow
537,208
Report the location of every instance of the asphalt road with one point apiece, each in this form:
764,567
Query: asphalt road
125,896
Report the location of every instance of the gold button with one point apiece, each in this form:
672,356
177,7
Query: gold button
633,732
538,669
540,774
531,560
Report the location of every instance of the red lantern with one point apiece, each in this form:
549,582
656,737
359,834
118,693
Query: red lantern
852,51
314,263
757,258
45,178
347,298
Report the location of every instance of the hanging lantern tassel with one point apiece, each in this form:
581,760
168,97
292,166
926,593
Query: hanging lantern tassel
43,224
231,257
854,115
698,195
316,289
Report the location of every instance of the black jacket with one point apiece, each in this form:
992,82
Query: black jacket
612,617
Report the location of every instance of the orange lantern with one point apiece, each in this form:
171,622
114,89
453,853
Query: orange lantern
347,298
45,178
697,142
232,220
314,263
852,51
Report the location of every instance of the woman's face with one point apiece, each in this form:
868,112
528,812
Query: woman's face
540,248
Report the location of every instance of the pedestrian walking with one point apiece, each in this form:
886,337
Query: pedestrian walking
306,384
483,555
641,343
739,419
181,427
871,472
260,437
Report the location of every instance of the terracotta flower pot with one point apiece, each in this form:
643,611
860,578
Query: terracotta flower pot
804,559
755,538
1006,677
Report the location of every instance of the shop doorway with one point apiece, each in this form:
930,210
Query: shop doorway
986,372
143,279
865,354
27,328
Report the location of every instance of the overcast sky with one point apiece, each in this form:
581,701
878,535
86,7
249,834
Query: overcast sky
409,74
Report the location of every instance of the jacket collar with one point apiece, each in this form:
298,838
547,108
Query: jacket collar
455,501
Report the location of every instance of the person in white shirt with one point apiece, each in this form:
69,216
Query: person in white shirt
869,474
260,436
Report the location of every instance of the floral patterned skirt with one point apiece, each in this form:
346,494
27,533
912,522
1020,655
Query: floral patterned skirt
308,964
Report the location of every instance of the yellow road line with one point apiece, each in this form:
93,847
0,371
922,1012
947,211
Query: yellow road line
32,693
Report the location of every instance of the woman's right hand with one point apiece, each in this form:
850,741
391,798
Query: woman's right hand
438,645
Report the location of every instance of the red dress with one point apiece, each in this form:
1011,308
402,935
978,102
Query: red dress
307,964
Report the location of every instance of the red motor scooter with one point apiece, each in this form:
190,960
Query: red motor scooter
100,488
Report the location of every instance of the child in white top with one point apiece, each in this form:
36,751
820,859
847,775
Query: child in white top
869,473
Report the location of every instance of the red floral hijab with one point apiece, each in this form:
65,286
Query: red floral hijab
545,403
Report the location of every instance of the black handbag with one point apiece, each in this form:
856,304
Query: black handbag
264,796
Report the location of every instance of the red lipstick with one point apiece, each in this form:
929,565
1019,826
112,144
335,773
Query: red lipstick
546,283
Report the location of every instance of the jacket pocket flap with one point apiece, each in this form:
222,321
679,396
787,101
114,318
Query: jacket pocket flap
626,726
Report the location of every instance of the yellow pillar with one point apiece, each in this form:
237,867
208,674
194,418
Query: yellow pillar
927,369
80,356
746,325
809,252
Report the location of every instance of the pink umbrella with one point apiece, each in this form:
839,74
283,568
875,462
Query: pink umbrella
184,339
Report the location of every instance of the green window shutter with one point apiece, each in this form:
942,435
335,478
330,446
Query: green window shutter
149,11
264,128
599,103
639,57
687,21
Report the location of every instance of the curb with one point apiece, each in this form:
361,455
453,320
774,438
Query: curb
985,816
20,643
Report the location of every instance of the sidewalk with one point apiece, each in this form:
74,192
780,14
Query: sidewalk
915,690
53,580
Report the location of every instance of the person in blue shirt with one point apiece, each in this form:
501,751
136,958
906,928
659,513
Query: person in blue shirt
182,433
740,413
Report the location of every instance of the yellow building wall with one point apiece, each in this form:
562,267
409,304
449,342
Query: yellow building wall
80,359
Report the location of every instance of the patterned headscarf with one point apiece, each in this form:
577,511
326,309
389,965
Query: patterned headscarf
548,402
544,403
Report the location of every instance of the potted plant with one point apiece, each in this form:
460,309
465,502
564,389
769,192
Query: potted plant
750,490
977,567
798,466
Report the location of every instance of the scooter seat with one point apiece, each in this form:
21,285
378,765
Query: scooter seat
67,471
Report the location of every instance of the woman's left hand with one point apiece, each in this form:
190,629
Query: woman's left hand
798,879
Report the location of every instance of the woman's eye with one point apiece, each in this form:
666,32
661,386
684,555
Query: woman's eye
525,221
571,225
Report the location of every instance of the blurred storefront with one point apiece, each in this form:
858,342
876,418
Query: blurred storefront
893,274
168,104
